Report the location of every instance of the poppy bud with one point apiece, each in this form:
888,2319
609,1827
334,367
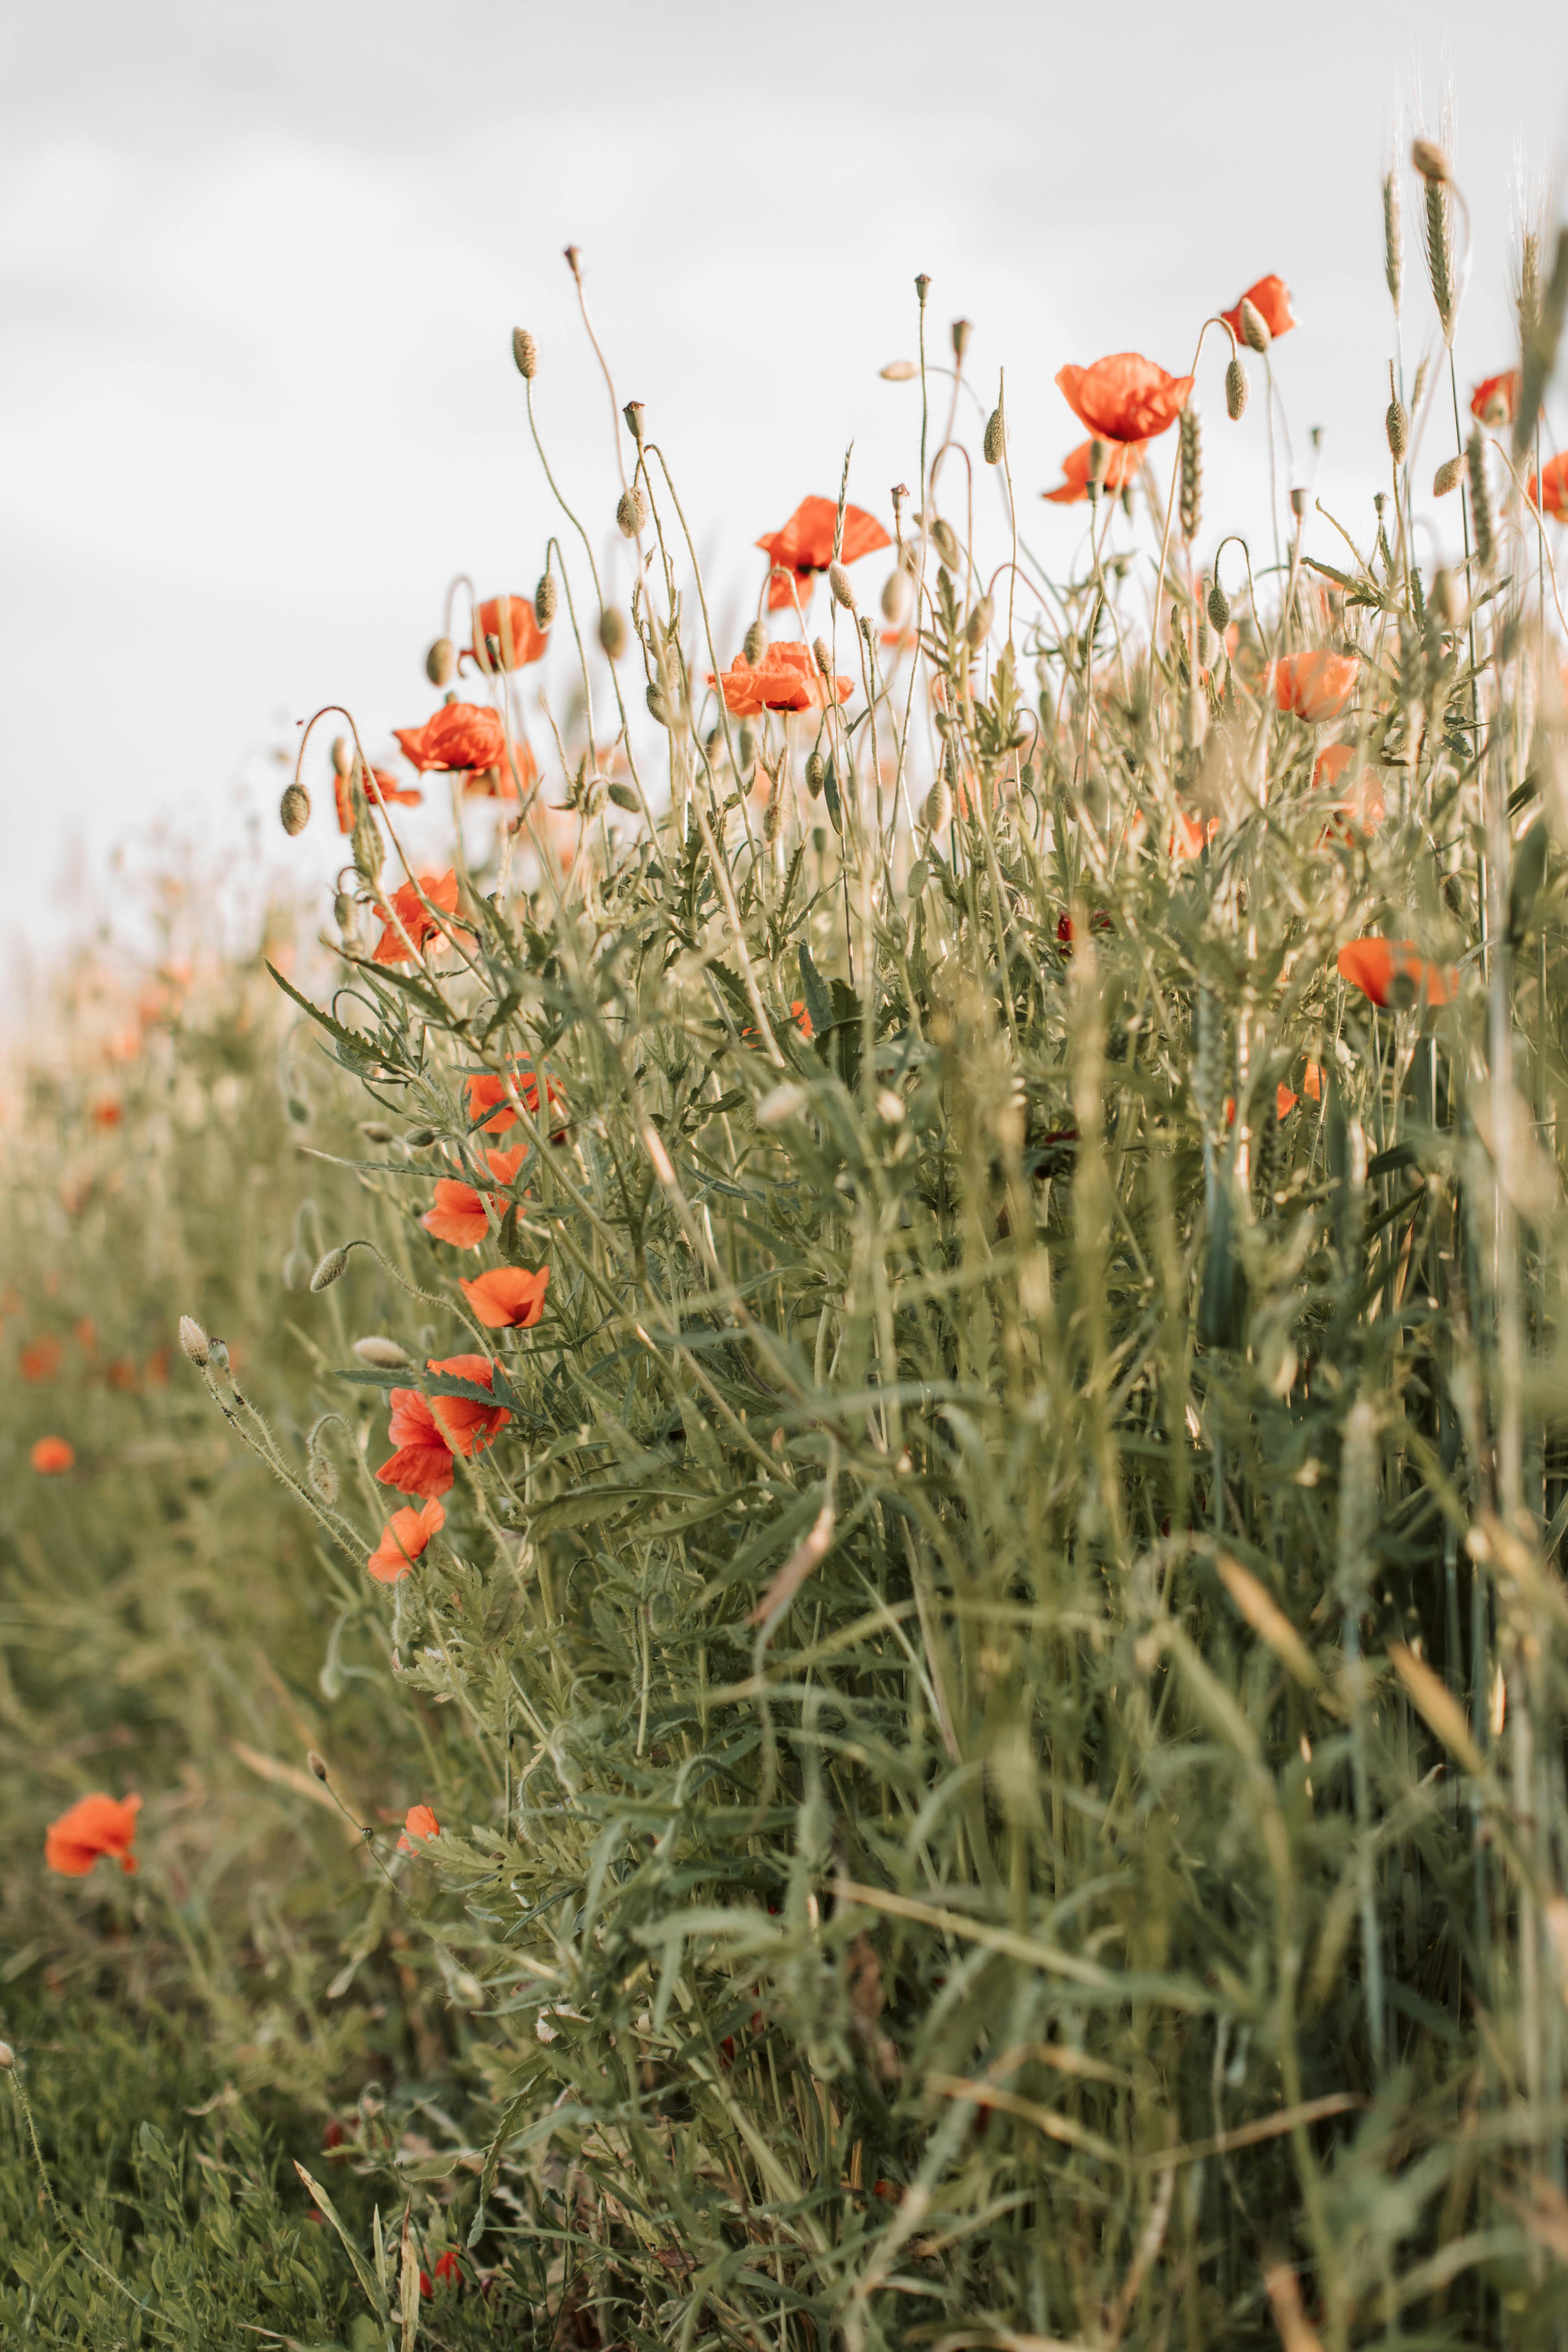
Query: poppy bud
898,371
772,817
923,288
938,806
419,1138
1396,424
525,352
754,645
839,581
545,599
822,656
815,769
385,1355
343,755
374,1130
294,809
898,596
323,1479
977,628
613,631
8,2058
1255,331
946,541
194,1340
657,707
1429,159
1235,388
1219,608
625,798
331,1267
317,1764
217,1356
440,662
1447,476
746,747
961,331
633,414
632,512
995,437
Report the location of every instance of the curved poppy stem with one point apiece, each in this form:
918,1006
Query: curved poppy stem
573,262
460,579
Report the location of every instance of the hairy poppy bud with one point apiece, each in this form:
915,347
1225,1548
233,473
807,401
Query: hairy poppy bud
1429,159
331,1267
545,599
1396,425
419,1138
774,817
961,331
194,1340
324,1478
1219,608
632,411
317,1764
440,662
938,806
294,809
815,771
632,512
1235,388
1255,331
525,352
898,596
613,631
898,371
625,798
977,628
822,656
385,1355
343,755
754,645
658,708
996,436
839,581
946,542
1447,476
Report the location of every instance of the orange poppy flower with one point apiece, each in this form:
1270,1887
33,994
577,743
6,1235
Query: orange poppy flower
466,1425
106,1114
798,1014
441,889
1496,398
422,1462
459,735
50,1456
513,621
488,1088
1125,398
1392,972
1549,489
419,1822
1312,1081
1270,298
381,789
1315,686
509,1298
1189,838
1122,462
1284,1101
457,1215
93,1825
402,1538
501,783
1363,802
84,1331
787,678
805,546
40,1361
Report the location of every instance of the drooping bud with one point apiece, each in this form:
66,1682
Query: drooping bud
632,411
754,645
544,599
632,512
613,631
294,809
1447,476
440,662
839,581
821,655
1396,425
995,440
1255,331
1219,608
1236,389
898,596
324,1478
317,1764
1429,159
194,1342
383,1355
343,755
898,371
815,773
977,628
525,352
331,1267
961,331
1481,499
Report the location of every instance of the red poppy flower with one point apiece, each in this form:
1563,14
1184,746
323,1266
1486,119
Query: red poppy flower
106,1114
459,735
509,1298
787,678
419,1822
1549,490
468,1426
422,1462
1098,922
441,889
94,1826
1125,398
1284,1101
402,1538
381,789
1363,799
513,621
516,770
40,1361
1392,971
1312,1081
805,546
50,1456
798,1014
1270,298
1315,686
1122,462
488,1089
458,1212
1496,398
1189,837
447,2267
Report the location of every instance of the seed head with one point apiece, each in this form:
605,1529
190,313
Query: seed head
1219,608
440,662
1439,255
331,1267
1392,239
1192,461
1447,476
1396,425
195,1341
1235,388
1481,499
294,809
1255,331
977,628
525,352
822,656
545,599
1430,161
632,512
383,1355
898,371
839,581
613,631
754,645
343,755
996,436
898,596
923,288
961,331
632,411
1299,497
317,1764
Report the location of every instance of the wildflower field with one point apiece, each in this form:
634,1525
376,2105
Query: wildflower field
781,1557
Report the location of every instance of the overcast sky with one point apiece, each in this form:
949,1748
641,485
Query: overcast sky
259,263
